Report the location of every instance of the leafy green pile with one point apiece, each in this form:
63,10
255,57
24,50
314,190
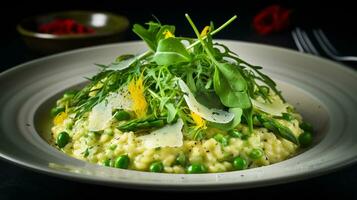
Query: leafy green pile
215,75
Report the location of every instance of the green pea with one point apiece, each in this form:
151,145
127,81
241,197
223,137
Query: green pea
121,115
305,139
235,133
221,139
113,147
107,162
239,163
56,110
181,159
256,153
196,169
156,167
62,139
307,127
122,162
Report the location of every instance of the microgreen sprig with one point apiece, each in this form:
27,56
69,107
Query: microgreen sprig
216,76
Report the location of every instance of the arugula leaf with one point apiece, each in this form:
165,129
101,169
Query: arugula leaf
171,112
233,76
122,62
153,34
124,57
163,29
248,115
237,116
171,51
209,99
191,82
259,75
148,35
230,86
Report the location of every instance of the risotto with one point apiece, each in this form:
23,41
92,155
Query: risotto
185,106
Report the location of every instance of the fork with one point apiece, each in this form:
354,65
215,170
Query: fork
305,44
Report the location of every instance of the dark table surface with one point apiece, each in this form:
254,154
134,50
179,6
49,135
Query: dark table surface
17,182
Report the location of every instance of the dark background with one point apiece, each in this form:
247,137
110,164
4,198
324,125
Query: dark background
337,18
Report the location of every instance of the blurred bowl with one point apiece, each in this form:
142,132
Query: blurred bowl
108,28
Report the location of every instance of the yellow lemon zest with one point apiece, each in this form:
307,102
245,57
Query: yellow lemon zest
168,34
136,90
200,123
205,31
60,118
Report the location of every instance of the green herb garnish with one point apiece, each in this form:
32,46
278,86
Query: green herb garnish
215,75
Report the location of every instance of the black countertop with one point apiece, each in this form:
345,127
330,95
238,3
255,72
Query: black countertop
17,182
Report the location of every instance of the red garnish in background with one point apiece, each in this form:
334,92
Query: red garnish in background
272,19
64,27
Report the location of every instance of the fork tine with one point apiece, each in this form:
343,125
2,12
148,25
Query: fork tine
297,41
308,42
322,35
329,49
325,44
302,41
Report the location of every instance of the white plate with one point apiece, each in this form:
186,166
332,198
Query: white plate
323,91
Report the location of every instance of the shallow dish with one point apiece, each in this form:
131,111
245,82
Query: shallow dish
323,91
108,28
